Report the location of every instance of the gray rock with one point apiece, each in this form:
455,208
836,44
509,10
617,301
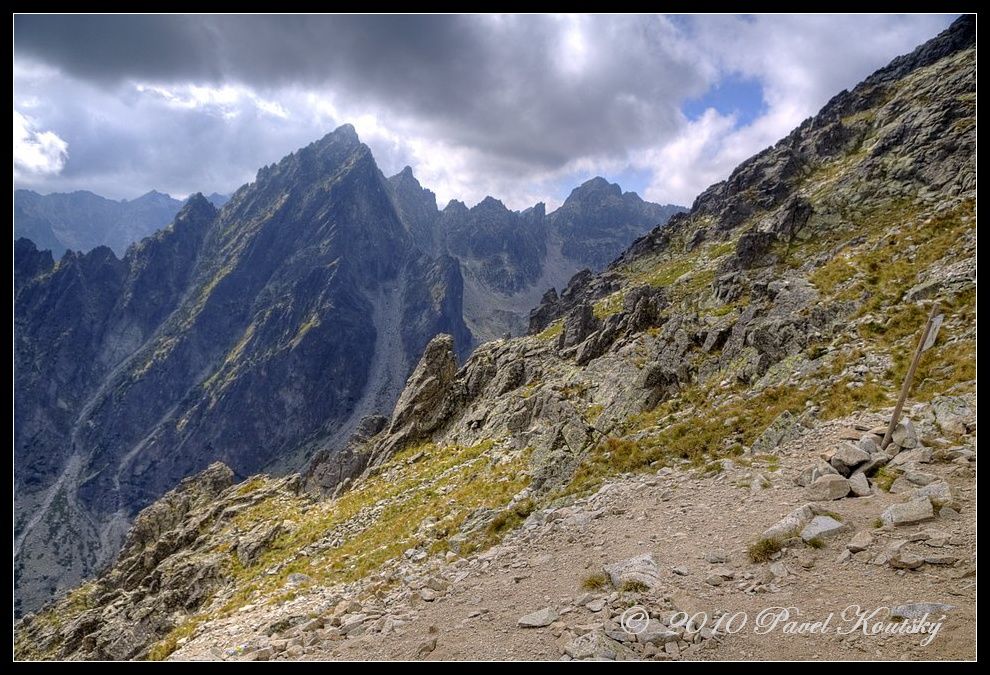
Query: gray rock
578,325
716,557
812,473
859,485
938,492
904,435
783,429
790,524
904,560
620,634
948,513
868,444
916,456
657,633
642,569
828,488
597,646
953,414
917,610
539,618
298,579
860,541
353,624
822,527
915,511
262,654
426,647
428,397
901,485
875,462
847,457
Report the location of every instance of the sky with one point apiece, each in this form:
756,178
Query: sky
523,108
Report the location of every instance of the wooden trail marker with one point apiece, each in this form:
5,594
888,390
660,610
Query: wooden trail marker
931,329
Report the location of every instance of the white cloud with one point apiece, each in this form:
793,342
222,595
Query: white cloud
523,108
37,152
226,101
799,61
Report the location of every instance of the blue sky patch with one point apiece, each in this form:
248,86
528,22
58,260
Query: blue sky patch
732,94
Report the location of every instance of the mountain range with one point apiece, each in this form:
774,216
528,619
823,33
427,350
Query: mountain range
81,221
258,334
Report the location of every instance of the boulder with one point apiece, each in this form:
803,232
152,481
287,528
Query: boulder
428,397
953,414
812,473
868,444
847,457
915,511
791,524
860,541
918,610
539,619
828,488
578,325
823,527
642,569
783,429
904,435
938,492
596,646
859,485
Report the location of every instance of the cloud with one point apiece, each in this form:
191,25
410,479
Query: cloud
37,152
513,106
800,62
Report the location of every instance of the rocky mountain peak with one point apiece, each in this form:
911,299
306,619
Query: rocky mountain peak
490,204
594,191
455,206
196,208
154,196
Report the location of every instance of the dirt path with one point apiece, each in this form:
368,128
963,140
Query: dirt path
679,518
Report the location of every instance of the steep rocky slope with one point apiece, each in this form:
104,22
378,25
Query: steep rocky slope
746,353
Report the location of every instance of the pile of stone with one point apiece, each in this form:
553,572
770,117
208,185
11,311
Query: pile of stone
845,471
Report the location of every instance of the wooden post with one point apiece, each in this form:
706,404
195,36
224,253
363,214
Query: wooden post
906,387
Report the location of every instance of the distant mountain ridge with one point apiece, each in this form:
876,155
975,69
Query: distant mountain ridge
510,258
83,220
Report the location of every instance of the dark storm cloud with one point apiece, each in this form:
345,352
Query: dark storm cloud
516,106
500,85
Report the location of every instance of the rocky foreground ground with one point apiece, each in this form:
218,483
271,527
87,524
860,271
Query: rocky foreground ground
677,540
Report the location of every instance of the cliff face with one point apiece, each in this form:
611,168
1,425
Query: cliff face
235,335
784,306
